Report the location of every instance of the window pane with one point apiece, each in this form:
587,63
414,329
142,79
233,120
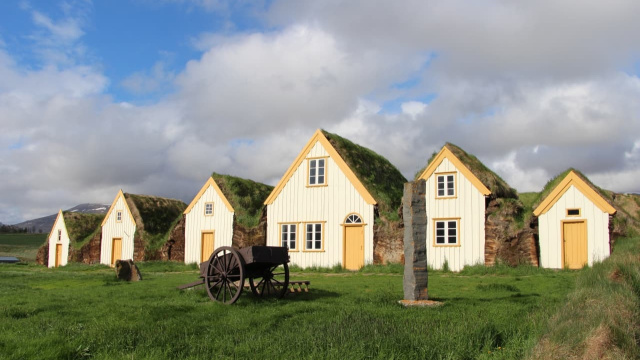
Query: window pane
440,225
321,163
439,240
452,239
452,224
320,179
309,244
292,244
440,232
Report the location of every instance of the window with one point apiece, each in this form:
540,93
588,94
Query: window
288,236
353,219
573,212
208,209
317,175
119,215
446,185
314,236
59,235
446,232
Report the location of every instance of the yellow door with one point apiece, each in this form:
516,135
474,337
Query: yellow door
574,236
58,254
207,246
116,250
353,247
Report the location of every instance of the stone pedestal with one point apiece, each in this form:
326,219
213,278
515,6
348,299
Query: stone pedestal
415,241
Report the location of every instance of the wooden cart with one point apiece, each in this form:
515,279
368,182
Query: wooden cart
223,275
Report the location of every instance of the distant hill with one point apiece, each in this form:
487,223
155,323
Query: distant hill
44,224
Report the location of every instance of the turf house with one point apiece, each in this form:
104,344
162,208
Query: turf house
325,206
137,226
58,241
574,222
227,211
470,214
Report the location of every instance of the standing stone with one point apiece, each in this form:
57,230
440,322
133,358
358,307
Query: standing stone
127,270
415,241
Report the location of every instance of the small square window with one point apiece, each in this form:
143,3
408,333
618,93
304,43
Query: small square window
208,209
446,185
119,215
446,232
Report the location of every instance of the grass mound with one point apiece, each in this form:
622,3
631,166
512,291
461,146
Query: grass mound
246,196
155,218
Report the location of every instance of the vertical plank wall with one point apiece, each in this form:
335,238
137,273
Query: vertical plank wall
550,229
112,229
298,203
53,240
221,223
469,206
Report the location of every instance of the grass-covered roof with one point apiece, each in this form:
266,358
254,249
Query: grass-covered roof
81,227
155,217
498,187
383,180
245,196
553,183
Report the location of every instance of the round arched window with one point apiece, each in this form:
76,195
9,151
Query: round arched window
353,219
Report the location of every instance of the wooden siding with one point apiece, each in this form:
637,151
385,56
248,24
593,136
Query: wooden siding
53,241
196,222
111,229
469,206
550,229
297,203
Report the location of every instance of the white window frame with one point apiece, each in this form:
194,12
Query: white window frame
317,174
118,215
314,237
59,235
286,234
206,207
446,232
449,182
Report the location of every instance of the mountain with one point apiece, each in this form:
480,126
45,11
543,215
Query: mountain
44,224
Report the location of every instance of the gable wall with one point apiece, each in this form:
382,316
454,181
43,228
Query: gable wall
550,229
196,222
112,229
298,203
469,206
53,241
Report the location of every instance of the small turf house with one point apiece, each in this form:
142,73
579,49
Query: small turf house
573,223
118,230
325,206
137,226
223,208
58,241
458,190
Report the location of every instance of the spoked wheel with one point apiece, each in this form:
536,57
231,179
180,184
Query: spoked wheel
271,281
225,275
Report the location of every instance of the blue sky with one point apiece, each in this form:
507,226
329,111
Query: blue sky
152,96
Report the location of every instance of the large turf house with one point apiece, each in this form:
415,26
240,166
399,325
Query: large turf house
216,214
458,190
573,222
325,206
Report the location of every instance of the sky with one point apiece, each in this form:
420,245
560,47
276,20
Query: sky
151,96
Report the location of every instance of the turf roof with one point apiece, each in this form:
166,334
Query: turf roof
245,196
157,214
81,226
383,180
553,183
499,188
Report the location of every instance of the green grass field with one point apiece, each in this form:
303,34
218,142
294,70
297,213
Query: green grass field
23,246
81,311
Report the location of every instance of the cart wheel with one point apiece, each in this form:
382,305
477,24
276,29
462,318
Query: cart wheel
273,281
225,275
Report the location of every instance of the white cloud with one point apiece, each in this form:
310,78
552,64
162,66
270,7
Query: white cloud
413,108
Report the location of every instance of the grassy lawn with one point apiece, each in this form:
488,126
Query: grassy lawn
82,311
23,246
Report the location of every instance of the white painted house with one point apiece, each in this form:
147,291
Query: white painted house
118,230
573,224
58,243
208,223
321,210
455,206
